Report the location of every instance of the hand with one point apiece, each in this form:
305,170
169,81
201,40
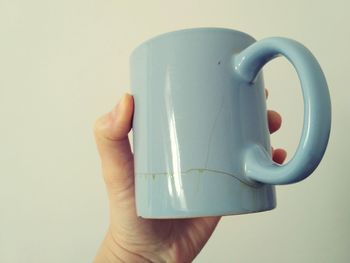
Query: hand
133,239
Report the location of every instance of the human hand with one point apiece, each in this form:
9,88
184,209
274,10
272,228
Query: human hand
133,239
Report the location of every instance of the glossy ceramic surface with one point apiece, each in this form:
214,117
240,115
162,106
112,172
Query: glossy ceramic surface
201,141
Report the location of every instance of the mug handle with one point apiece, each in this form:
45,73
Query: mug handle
317,111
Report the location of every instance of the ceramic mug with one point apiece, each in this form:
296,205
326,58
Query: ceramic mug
201,140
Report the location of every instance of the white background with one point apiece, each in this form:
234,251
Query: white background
63,63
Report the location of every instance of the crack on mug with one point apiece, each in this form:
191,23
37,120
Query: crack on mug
200,170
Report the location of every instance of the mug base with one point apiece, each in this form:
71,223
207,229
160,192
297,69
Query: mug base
201,193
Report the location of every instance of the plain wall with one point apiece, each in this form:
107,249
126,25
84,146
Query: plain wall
64,63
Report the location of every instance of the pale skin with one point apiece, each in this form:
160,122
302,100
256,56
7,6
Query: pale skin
133,239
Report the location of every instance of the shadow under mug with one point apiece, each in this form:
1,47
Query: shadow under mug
201,141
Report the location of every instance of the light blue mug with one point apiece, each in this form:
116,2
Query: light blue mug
201,140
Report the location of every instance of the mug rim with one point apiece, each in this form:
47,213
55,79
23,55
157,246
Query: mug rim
178,31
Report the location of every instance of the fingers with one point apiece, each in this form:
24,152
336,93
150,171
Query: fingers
273,117
274,120
111,134
274,123
279,155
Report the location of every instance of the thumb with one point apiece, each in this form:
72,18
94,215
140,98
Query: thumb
111,135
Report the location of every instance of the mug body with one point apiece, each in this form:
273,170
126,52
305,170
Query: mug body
192,122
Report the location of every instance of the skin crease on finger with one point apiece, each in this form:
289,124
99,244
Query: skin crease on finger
133,239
